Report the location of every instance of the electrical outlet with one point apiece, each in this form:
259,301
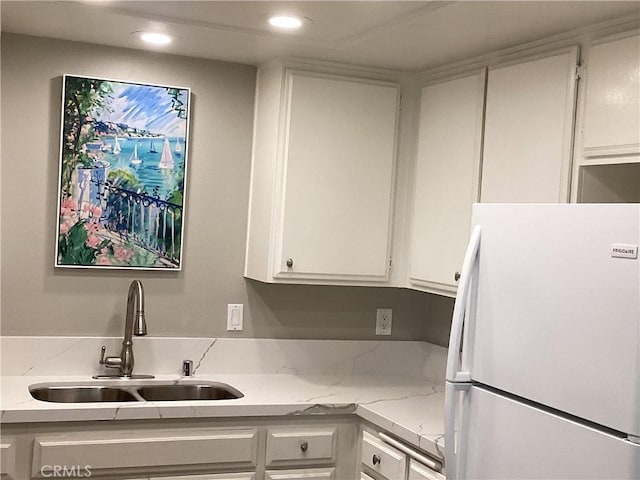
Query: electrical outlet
383,321
234,316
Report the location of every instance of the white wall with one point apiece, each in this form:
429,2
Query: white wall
40,300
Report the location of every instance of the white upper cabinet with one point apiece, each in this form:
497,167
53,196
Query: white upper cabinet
612,98
607,164
529,130
446,180
324,169
322,178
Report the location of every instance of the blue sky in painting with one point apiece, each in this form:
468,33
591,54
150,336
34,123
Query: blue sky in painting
145,107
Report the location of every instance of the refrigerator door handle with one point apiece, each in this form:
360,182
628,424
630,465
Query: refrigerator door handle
460,310
451,446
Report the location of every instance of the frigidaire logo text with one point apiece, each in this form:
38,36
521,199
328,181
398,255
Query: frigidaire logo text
65,471
626,251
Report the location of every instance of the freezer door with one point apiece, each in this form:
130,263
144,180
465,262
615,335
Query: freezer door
557,312
505,439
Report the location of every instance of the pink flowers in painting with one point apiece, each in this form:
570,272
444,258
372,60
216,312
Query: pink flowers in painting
81,238
123,254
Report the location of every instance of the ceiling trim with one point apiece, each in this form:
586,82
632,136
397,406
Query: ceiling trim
578,35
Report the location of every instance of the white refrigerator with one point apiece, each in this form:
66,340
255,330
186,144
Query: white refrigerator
543,373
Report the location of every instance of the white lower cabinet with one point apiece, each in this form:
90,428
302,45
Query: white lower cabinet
7,459
213,476
389,462
104,451
417,471
380,460
305,474
300,446
189,449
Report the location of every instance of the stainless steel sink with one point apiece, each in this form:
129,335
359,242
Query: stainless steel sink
209,391
81,394
133,392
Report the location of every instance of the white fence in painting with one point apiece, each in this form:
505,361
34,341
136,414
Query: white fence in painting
148,221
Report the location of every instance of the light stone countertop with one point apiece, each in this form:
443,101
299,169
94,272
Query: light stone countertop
409,405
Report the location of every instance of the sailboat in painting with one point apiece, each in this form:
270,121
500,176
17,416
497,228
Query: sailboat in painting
152,148
134,156
178,148
116,146
166,160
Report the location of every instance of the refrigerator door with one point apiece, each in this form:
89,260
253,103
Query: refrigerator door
557,312
505,439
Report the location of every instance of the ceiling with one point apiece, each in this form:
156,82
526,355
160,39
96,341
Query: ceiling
405,35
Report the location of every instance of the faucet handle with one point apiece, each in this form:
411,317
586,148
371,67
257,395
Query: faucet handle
109,362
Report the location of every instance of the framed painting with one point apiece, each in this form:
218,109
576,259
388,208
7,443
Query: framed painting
122,177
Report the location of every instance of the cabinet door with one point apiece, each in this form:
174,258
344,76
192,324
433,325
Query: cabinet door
387,461
529,130
612,99
446,179
339,148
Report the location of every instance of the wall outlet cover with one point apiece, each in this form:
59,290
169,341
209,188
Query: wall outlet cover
384,317
235,317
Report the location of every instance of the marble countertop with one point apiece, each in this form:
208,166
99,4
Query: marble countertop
406,406
397,386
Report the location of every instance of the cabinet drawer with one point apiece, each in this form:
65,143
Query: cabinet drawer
389,462
123,449
302,474
212,476
300,446
7,459
417,471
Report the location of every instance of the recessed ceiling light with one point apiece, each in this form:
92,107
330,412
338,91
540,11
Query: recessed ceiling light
285,21
155,38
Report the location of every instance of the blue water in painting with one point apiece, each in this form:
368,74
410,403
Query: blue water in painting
147,172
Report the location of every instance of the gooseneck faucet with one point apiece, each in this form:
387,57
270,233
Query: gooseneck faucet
135,324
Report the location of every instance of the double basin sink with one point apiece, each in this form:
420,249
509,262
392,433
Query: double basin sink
133,392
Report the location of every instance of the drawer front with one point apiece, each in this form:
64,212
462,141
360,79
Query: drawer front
236,448
387,461
417,471
7,459
301,474
212,476
300,446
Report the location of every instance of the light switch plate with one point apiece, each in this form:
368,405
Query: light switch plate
235,317
383,321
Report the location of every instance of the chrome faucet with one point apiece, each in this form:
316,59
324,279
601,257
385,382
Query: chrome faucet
135,324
